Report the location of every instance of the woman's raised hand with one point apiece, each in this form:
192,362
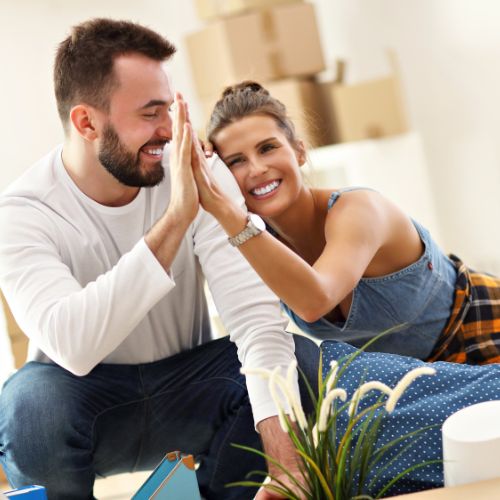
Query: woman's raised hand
211,196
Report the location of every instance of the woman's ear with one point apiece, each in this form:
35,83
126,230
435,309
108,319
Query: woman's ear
83,119
300,152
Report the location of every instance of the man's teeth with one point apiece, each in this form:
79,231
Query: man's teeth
156,152
265,189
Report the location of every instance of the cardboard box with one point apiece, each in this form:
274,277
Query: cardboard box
484,490
302,98
212,9
367,110
19,347
274,43
18,340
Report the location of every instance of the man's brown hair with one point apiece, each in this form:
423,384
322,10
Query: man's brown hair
83,68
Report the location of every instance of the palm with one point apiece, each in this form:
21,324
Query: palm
184,190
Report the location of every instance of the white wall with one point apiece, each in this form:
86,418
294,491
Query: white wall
449,52
30,31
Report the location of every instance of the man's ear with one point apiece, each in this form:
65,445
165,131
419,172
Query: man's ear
83,119
300,151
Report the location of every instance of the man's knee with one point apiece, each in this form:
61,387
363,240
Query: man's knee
33,418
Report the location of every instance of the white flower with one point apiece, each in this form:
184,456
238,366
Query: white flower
277,400
363,389
315,435
334,366
326,407
403,384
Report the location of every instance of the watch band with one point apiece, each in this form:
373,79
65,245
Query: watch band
248,232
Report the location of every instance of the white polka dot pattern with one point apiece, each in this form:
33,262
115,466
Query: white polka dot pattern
429,400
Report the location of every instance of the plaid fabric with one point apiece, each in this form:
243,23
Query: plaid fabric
472,334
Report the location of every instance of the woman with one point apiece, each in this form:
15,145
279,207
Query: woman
346,263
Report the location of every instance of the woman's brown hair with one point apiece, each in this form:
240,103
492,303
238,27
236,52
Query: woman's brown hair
244,99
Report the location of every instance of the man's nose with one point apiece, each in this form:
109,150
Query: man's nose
164,129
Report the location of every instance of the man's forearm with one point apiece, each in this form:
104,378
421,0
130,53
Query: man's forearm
278,445
165,237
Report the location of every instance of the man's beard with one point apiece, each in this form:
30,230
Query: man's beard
124,165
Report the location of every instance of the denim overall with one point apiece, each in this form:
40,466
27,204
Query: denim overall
418,298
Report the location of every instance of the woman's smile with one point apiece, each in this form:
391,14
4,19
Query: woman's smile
265,190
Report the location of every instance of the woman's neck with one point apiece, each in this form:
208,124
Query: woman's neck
301,226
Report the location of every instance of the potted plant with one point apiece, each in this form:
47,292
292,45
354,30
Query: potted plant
338,444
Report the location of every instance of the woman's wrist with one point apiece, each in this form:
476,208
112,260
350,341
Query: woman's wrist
233,219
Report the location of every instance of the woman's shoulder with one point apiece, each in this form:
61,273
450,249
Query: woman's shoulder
328,197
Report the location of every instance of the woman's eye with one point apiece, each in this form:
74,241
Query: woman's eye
267,147
234,162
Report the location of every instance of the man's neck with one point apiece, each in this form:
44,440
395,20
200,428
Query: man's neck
91,178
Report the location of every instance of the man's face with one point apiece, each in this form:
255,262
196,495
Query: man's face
125,165
138,124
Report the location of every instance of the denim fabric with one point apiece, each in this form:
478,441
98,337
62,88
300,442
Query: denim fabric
429,400
419,296
61,431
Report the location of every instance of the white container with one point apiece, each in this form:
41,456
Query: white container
471,444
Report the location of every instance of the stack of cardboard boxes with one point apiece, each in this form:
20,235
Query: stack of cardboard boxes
18,340
273,42
276,43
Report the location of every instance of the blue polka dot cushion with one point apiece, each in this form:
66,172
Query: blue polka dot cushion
430,399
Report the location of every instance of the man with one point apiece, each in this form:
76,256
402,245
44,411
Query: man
102,258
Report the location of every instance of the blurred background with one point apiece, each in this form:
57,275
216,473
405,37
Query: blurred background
447,55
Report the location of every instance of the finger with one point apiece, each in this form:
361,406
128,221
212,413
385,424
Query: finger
176,130
198,166
201,164
179,118
208,149
185,151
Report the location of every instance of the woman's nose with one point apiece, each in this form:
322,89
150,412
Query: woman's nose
258,167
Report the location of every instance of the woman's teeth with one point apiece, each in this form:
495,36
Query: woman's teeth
259,191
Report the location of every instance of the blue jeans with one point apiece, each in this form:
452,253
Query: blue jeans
62,431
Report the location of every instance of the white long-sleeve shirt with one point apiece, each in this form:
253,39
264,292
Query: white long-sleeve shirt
85,288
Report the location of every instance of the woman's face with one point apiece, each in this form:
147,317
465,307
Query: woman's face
263,162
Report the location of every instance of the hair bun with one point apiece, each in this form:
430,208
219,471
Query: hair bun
245,86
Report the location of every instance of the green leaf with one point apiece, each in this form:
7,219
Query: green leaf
320,476
270,460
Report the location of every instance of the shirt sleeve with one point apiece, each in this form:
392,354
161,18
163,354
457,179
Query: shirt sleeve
75,326
249,310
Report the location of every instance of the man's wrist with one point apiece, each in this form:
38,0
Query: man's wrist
278,444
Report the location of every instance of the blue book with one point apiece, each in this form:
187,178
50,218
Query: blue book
173,479
28,492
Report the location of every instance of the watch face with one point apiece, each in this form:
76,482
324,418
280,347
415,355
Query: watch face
257,222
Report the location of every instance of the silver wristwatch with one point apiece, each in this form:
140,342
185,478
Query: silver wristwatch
255,225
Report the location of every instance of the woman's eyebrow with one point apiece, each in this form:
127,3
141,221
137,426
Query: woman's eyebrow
264,140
